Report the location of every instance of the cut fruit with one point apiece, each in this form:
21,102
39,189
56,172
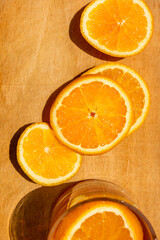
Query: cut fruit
133,84
117,27
99,220
43,158
91,115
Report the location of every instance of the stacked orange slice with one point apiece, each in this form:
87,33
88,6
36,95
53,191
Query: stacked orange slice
95,112
133,84
92,114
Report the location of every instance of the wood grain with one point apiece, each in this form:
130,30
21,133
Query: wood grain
40,50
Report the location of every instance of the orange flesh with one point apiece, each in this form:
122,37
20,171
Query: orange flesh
117,24
101,223
92,115
132,87
46,156
104,225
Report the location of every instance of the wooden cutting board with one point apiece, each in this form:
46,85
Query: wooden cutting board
41,49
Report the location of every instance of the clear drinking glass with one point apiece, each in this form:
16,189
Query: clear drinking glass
93,190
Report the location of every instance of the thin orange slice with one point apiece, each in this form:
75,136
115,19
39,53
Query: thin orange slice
43,158
91,115
117,27
133,84
99,220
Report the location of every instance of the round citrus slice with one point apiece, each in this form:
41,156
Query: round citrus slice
43,158
91,115
99,220
117,27
133,84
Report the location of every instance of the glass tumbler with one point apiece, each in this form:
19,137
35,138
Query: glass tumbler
96,190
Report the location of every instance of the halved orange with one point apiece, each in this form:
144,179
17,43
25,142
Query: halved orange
43,158
91,115
117,27
133,84
99,220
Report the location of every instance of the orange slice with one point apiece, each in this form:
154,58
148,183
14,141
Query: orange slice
91,115
133,84
43,158
99,220
117,27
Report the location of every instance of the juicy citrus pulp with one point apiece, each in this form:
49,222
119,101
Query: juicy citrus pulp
117,27
133,84
102,220
91,115
43,158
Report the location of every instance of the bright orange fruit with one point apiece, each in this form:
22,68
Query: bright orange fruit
43,158
91,115
117,27
133,84
99,220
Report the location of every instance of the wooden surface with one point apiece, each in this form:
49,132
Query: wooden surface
40,50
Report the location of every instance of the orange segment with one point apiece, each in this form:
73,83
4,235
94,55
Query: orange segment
78,100
95,123
125,42
95,89
140,19
75,133
110,39
136,28
65,114
101,31
43,158
99,220
105,134
124,7
90,139
112,9
117,27
113,103
113,122
99,18
133,84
